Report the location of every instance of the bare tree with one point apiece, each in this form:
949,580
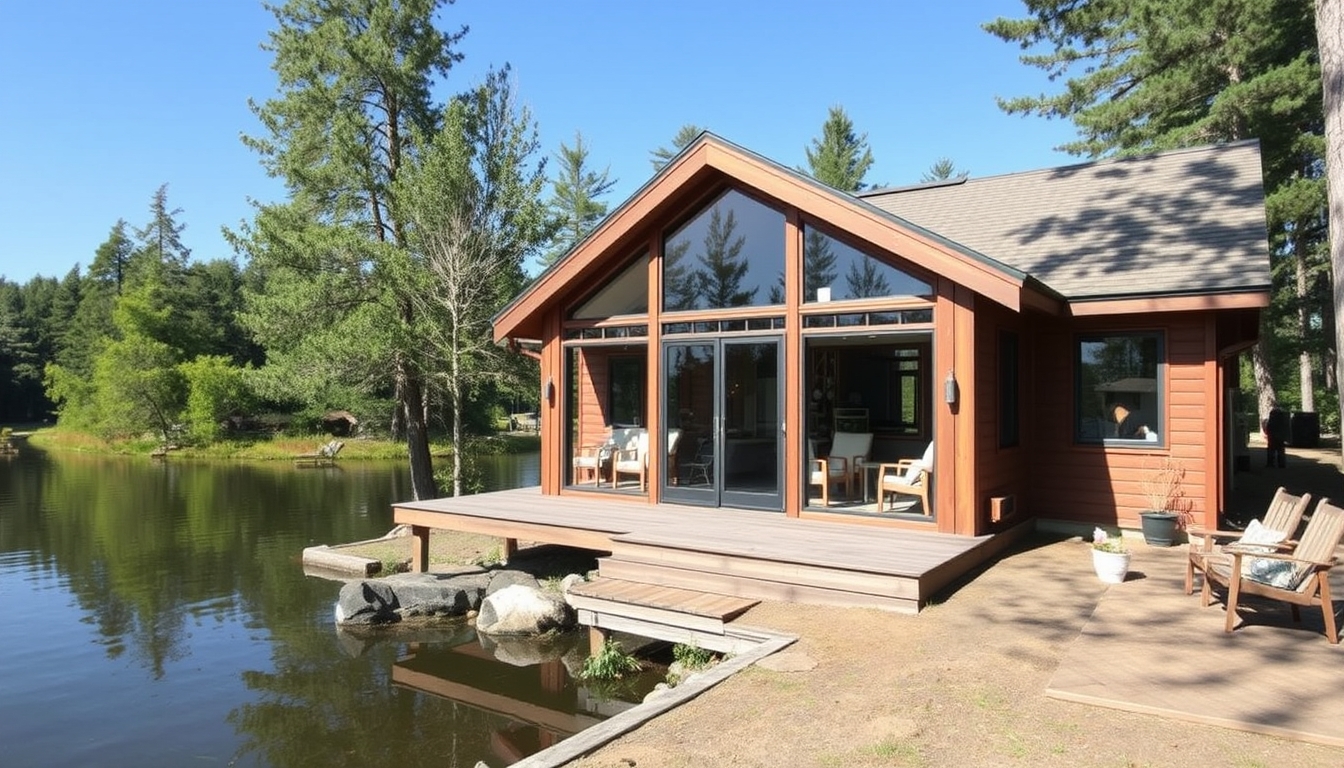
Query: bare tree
1330,42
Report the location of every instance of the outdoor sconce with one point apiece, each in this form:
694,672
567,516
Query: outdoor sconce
950,388
550,390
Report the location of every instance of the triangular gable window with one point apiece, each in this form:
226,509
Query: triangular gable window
835,271
625,294
730,255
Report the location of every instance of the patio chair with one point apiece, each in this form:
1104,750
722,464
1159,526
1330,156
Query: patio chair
1299,578
700,469
588,461
632,459
909,477
1279,525
848,452
325,454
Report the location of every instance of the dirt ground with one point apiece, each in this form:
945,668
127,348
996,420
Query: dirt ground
961,684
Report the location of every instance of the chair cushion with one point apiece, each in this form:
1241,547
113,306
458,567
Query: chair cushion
1257,534
1282,574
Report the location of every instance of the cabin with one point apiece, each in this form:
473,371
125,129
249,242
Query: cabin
954,357
754,385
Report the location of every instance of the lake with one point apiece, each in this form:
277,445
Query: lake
159,615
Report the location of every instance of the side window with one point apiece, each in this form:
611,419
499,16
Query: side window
1120,381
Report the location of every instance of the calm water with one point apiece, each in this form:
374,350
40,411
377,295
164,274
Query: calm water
157,614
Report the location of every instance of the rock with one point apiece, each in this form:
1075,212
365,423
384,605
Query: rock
407,595
366,602
507,578
570,581
520,651
522,610
432,594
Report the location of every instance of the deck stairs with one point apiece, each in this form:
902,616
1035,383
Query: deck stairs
673,614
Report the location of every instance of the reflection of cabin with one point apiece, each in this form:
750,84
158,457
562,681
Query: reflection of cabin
738,316
538,704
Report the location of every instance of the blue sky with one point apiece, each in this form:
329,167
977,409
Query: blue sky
106,101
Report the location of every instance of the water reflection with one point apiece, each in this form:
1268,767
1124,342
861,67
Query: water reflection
165,618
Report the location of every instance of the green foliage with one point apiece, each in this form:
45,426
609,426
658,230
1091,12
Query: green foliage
610,662
136,386
215,389
839,158
574,201
663,155
942,169
692,657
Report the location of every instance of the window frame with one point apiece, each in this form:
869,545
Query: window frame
1157,408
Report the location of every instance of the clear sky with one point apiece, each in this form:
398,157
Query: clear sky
106,101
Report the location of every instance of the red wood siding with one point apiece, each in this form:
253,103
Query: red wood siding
999,471
1101,485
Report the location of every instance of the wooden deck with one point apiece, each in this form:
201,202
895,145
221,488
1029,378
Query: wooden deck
736,552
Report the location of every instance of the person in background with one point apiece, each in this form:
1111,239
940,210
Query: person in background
1275,427
1129,425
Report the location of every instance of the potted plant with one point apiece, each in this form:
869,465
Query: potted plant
1163,487
1110,557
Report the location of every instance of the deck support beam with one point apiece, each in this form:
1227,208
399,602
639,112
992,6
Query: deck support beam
419,549
510,549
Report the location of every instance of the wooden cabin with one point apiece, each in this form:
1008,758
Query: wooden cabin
738,335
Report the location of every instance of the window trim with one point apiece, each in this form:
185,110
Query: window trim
1159,395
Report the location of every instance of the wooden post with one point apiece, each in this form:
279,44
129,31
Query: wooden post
510,549
419,549
596,637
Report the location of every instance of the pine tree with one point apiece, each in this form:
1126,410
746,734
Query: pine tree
683,138
356,78
1330,42
943,169
839,158
574,202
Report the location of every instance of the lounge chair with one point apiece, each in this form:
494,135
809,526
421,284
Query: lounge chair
589,461
1299,578
848,452
324,455
1280,522
909,477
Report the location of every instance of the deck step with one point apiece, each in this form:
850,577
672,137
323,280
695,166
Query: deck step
674,606
899,599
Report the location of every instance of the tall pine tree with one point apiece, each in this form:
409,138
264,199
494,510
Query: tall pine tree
840,157
574,201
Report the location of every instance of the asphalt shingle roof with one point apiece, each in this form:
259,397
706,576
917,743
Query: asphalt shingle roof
1189,221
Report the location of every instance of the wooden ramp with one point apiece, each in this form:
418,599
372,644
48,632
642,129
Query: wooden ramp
663,613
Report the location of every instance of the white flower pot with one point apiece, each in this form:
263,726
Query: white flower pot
1111,567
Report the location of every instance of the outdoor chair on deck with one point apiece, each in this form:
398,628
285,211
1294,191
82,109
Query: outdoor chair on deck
632,460
908,477
848,452
1299,578
1279,526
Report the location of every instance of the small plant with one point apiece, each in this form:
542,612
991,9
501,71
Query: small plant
691,657
493,556
1163,486
1104,542
611,662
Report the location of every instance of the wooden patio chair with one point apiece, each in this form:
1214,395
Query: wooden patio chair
909,477
588,461
1299,578
848,452
325,454
632,458
1282,519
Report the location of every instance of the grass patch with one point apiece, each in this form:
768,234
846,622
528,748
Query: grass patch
611,662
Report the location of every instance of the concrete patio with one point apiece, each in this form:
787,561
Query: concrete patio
1148,647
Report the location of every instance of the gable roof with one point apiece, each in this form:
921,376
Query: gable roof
1184,222
1180,223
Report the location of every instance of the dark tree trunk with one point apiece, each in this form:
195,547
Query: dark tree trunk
417,437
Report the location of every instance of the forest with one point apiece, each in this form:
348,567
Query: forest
410,222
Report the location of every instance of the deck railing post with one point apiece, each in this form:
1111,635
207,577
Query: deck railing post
419,549
510,549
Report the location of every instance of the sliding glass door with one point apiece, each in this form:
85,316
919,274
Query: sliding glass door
723,420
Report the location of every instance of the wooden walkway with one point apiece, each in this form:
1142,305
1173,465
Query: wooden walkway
742,553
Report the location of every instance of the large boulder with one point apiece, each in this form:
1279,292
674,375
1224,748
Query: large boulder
409,595
507,578
523,610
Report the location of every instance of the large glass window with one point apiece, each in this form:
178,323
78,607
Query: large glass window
730,255
1119,389
834,270
625,294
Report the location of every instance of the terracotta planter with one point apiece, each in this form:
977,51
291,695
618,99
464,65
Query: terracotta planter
1111,567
